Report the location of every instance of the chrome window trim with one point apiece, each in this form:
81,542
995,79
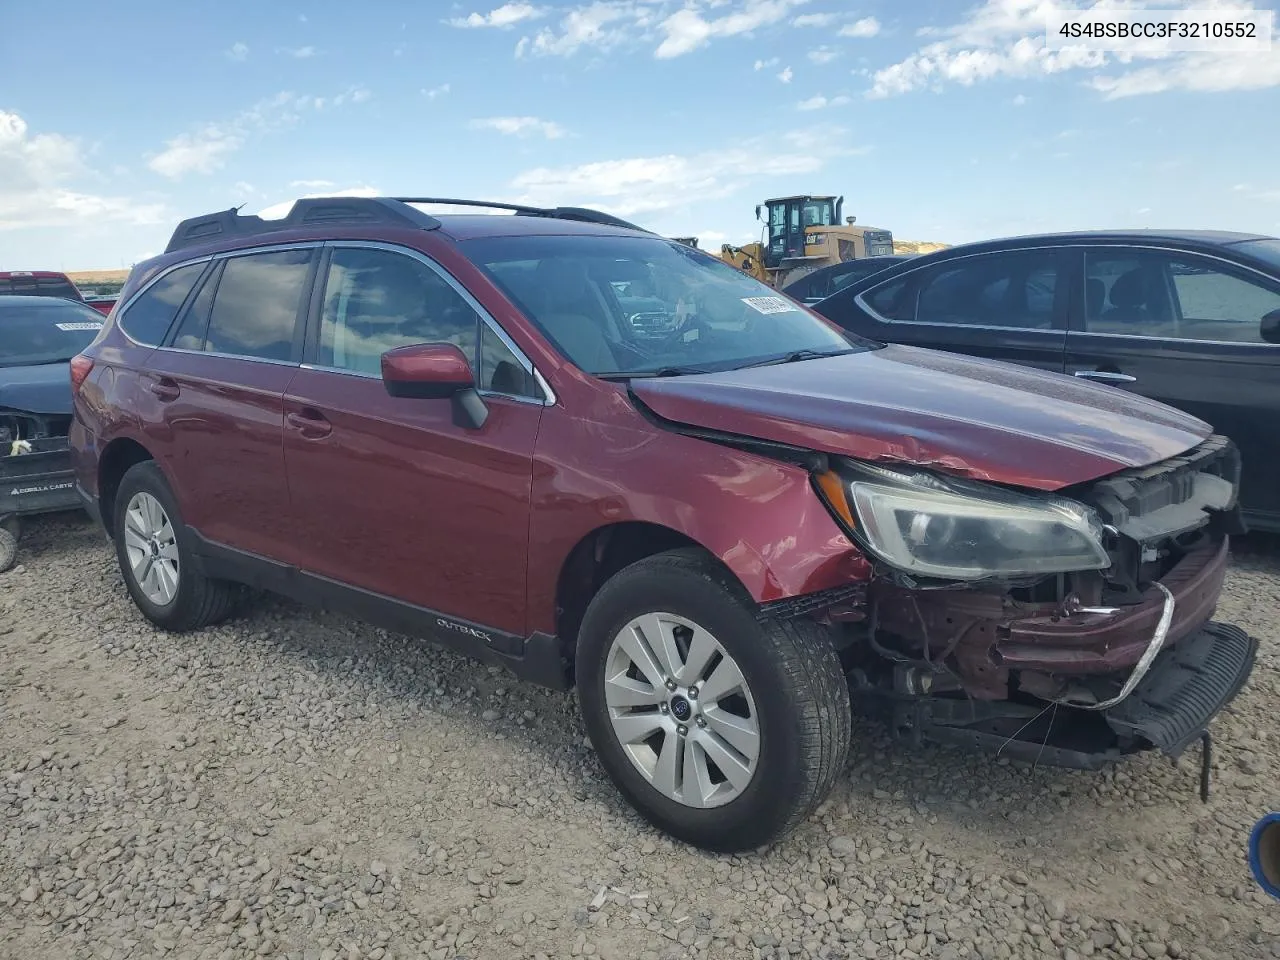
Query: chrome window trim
1149,339
1082,245
484,315
229,356
225,255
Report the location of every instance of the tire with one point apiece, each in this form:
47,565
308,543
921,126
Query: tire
795,692
8,549
195,601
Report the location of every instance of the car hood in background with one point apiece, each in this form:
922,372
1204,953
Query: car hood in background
44,388
983,419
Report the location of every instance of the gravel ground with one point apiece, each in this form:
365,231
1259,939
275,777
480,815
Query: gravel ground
297,784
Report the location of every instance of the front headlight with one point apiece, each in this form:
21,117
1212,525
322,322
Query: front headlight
960,530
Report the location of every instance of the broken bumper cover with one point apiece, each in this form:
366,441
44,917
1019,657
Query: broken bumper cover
1170,707
39,481
1186,688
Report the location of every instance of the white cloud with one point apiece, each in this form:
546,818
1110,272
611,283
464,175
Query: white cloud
600,25
299,53
1019,100
507,15
520,127
202,152
1005,38
786,75
866,27
815,20
823,55
207,148
36,177
238,52
652,184
687,30
766,64
241,186
821,103
433,92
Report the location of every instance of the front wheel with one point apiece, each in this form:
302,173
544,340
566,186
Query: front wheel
723,730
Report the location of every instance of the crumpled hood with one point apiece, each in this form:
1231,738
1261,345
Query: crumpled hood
44,388
982,419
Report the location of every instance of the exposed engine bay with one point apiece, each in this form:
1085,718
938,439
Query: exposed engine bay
1069,667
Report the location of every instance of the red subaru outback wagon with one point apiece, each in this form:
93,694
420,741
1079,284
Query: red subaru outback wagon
555,441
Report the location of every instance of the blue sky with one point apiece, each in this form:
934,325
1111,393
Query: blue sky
944,121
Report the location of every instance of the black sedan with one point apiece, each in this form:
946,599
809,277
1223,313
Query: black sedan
38,338
825,281
1190,318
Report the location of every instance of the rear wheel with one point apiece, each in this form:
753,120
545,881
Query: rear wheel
154,551
722,730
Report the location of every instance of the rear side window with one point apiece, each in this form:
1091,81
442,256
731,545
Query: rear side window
893,300
147,319
256,306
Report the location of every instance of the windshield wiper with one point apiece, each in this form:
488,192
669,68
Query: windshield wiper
660,372
794,356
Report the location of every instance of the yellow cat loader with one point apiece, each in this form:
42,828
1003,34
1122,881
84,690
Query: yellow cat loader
802,234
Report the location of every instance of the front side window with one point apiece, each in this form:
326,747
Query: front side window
1172,296
255,309
147,319
375,300
635,306
998,290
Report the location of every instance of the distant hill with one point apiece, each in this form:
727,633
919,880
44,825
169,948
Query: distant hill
917,246
98,276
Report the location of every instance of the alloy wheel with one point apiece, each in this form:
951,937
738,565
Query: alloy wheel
151,546
681,710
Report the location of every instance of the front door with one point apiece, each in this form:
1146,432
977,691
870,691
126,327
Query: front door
393,495
220,376
1186,330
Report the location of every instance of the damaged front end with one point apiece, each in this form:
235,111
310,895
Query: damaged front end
1068,629
35,463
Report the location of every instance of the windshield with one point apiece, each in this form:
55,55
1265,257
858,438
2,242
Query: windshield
636,306
35,330
1268,250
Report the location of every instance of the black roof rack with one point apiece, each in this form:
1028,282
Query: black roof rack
195,231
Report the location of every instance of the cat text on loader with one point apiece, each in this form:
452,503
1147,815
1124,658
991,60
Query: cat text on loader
802,234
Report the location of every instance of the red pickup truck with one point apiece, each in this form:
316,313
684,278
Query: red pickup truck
49,283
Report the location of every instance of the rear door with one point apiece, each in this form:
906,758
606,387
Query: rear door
220,378
1006,305
1185,329
393,495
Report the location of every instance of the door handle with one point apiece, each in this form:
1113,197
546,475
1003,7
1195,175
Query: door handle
165,389
310,423
1106,376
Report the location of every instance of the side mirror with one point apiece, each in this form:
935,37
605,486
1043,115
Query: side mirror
1264,853
1271,327
435,371
757,211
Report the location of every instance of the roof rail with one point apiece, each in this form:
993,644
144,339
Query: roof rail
397,211
584,214
309,212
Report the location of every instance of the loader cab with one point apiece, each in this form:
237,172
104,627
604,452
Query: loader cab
786,219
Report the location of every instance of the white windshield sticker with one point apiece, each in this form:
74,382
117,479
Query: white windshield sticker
770,304
81,325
